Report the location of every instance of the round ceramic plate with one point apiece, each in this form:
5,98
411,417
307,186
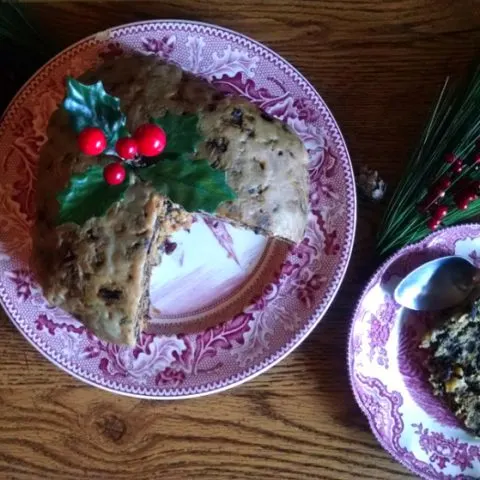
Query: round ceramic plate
227,304
387,374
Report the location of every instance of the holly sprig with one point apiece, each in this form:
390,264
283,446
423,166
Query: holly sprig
87,196
193,184
182,133
92,106
171,141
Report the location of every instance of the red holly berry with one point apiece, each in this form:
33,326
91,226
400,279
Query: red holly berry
433,223
450,158
427,202
114,173
437,192
462,184
476,159
444,182
457,166
151,139
462,201
92,141
471,195
475,186
439,212
126,148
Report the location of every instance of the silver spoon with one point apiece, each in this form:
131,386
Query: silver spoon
439,284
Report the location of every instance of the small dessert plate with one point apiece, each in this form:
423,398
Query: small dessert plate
226,304
387,367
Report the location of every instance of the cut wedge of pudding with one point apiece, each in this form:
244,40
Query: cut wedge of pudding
100,271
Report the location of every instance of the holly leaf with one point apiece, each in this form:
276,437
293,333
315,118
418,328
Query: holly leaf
92,106
182,133
194,184
88,195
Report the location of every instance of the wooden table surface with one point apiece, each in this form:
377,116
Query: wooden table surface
378,65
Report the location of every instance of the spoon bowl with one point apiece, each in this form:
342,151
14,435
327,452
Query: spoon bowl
438,284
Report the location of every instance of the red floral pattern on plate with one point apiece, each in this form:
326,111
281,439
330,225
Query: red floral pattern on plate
474,258
388,375
111,50
381,324
220,232
160,46
444,451
283,313
23,279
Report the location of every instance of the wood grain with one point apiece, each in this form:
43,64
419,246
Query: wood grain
378,65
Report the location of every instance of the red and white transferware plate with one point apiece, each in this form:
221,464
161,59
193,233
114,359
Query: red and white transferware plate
241,303
387,367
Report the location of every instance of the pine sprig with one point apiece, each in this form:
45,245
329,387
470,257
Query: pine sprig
454,126
22,49
17,29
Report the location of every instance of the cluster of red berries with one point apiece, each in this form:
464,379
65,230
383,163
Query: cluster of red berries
148,140
464,191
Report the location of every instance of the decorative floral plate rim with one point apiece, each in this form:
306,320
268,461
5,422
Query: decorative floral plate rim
458,452
339,257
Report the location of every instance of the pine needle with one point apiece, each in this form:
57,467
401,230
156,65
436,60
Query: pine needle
454,126
16,30
22,49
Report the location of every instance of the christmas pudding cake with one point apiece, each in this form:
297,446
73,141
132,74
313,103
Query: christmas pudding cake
124,170
453,363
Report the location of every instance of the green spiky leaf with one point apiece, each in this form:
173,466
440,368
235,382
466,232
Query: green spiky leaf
92,106
194,184
88,195
182,133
